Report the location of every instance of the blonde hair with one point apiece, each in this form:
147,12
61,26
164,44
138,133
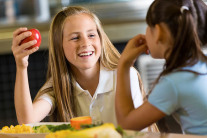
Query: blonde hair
59,71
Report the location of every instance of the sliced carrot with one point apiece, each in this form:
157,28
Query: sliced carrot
78,121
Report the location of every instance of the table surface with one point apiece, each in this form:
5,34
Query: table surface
131,134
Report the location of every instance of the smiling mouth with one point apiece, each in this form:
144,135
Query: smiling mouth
84,54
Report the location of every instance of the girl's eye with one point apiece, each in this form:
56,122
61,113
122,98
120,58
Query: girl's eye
75,38
92,35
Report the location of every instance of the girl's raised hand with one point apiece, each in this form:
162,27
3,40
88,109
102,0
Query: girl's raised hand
133,49
21,51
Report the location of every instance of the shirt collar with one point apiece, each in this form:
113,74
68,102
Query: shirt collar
106,82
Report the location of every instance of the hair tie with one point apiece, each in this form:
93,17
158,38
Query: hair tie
183,8
63,8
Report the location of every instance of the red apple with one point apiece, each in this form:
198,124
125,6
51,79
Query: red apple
35,36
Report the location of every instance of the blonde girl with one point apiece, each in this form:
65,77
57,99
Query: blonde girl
81,78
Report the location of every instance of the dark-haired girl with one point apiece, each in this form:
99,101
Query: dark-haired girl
181,89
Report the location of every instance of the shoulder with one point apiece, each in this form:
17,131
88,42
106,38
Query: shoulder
166,88
107,73
199,67
177,77
164,95
169,82
48,84
46,89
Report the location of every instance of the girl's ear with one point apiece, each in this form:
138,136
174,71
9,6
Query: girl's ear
163,34
158,33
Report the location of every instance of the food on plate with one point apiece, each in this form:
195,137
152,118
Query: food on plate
78,121
17,129
105,130
51,128
67,131
41,129
35,36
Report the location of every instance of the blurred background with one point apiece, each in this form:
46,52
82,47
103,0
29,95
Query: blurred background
121,19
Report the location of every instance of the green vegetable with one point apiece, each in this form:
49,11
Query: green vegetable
42,129
120,130
54,128
59,127
90,125
51,128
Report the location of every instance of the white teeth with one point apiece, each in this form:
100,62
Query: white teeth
85,54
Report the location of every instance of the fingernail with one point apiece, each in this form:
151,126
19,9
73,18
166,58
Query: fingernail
34,41
24,28
140,41
147,52
29,34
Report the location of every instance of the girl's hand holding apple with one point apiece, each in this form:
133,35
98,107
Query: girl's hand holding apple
35,35
25,42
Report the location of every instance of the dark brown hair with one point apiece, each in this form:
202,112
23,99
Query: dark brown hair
188,29
183,28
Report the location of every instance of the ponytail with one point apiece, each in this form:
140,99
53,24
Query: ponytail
186,50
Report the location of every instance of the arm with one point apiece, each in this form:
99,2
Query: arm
26,111
127,116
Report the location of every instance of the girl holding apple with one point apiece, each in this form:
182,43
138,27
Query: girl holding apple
81,78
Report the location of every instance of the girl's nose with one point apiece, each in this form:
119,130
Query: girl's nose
85,42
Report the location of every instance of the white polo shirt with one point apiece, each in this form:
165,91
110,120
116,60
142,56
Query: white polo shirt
101,107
